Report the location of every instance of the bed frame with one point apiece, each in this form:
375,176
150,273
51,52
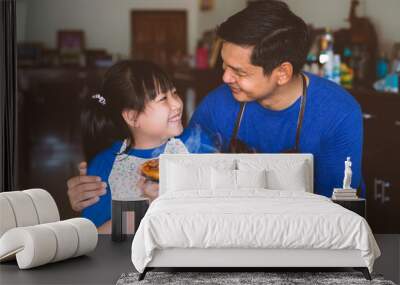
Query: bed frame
246,258
242,259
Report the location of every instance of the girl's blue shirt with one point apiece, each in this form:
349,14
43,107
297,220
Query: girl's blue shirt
195,139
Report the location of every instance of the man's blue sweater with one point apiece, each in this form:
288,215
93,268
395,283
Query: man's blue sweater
332,129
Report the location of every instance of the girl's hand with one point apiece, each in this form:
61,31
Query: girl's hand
149,188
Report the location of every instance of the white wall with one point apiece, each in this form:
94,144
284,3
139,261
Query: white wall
322,13
106,22
384,14
223,9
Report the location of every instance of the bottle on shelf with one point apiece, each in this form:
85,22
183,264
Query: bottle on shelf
326,40
346,69
201,55
396,61
327,56
311,64
336,69
382,66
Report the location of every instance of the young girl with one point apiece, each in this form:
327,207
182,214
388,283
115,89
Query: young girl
134,118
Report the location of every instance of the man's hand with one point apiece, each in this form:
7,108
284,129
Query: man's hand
149,188
84,190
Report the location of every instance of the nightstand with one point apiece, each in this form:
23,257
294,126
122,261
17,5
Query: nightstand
358,205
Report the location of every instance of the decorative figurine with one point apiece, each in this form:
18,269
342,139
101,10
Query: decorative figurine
346,192
347,174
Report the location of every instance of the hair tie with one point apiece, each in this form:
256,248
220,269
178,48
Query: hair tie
100,98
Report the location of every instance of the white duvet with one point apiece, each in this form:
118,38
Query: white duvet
253,218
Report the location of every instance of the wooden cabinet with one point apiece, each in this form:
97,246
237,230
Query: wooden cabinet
49,136
381,159
158,35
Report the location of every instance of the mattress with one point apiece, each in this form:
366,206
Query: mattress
250,219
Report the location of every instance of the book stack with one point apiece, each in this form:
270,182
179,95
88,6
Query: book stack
344,194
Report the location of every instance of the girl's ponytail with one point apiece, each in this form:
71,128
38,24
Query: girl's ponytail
98,128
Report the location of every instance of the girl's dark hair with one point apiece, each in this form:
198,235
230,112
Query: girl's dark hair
128,84
275,32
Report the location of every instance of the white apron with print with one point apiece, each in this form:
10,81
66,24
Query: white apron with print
125,172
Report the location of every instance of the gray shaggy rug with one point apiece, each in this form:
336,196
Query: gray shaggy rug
242,278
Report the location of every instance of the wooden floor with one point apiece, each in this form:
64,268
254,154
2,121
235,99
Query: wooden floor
106,264
389,262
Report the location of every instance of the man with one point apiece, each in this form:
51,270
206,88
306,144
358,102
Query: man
274,107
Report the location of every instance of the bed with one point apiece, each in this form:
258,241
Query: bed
247,210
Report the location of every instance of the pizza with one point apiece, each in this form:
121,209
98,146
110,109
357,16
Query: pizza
150,169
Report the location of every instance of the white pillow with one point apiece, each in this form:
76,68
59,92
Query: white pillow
251,178
223,179
227,179
281,174
181,177
292,179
